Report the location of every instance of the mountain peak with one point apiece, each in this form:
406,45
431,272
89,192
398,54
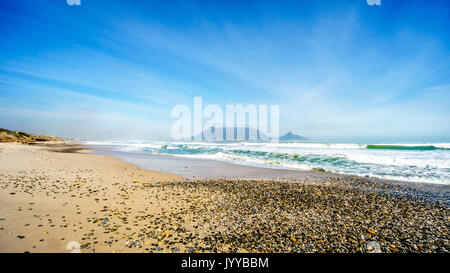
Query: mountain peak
289,136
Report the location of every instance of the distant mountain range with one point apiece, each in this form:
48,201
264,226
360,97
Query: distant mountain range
247,132
292,137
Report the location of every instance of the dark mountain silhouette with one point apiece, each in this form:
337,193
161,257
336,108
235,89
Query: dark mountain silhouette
292,137
209,135
248,131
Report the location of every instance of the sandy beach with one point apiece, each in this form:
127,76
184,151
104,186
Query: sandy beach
52,196
60,197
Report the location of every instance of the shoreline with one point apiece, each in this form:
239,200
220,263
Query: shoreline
53,195
402,163
194,168
47,189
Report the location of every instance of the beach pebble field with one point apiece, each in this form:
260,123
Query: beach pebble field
55,199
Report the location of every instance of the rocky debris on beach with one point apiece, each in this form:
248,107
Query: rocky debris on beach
16,136
237,215
353,215
314,213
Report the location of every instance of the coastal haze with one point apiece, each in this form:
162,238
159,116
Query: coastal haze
116,133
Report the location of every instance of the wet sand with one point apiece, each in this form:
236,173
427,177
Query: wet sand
55,197
193,168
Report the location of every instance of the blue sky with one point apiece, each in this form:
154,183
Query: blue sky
115,69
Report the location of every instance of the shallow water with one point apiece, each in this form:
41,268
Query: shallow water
418,162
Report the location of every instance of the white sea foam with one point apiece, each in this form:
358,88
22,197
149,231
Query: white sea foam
431,166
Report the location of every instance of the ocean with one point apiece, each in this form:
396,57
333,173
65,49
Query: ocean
415,162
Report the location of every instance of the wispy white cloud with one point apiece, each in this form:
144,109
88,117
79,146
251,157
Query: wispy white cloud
336,70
